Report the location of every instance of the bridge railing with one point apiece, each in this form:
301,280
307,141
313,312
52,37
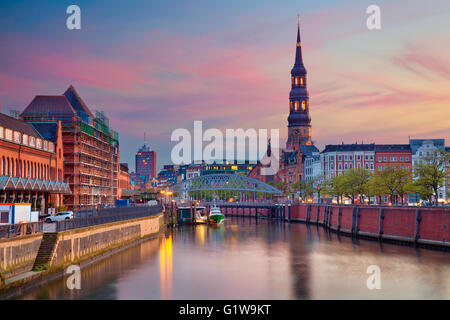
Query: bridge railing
108,216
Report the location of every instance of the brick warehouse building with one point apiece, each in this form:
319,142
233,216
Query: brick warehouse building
31,164
393,155
91,148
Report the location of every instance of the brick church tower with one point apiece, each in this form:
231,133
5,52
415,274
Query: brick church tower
299,120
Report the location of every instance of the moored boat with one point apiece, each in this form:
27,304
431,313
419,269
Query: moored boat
216,216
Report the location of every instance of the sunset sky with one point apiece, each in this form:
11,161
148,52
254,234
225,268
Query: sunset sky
155,66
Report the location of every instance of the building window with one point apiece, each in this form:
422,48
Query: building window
371,166
351,158
367,157
340,166
371,157
407,159
380,168
32,142
339,157
39,143
346,166
296,80
8,134
401,159
380,159
385,159
302,80
1,133
345,158
296,105
358,157
16,137
25,139
291,106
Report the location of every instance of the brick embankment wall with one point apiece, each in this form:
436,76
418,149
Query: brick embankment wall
428,226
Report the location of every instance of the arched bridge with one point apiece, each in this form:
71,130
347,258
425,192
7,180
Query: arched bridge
225,187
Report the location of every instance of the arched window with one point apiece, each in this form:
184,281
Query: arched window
302,80
303,105
292,79
297,80
296,105
291,105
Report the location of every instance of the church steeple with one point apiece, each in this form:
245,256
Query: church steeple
298,50
299,119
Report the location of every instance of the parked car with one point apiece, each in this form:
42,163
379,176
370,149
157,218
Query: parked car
66,215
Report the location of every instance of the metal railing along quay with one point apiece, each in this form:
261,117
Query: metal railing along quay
95,217
20,229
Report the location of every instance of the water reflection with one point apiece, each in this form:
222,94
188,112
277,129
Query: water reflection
249,259
166,267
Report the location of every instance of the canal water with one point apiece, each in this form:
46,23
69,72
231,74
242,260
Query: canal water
249,259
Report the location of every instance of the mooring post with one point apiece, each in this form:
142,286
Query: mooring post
380,224
339,219
417,224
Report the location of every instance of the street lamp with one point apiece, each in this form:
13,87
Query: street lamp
318,192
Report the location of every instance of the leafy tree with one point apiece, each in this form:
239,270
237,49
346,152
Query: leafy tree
402,182
334,186
306,189
355,181
430,174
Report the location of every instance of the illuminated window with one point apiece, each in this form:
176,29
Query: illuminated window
234,167
297,80
292,80
296,105
302,81
292,105
303,105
